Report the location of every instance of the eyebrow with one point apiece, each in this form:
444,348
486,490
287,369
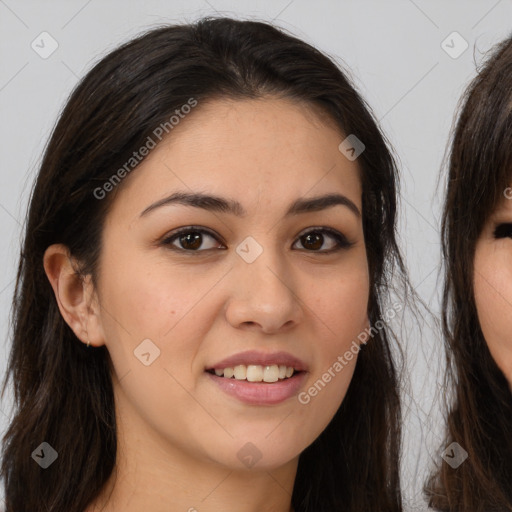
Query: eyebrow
223,205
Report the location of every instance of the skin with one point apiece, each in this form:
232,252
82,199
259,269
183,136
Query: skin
493,288
178,433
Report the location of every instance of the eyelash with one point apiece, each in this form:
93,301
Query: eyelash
503,230
341,240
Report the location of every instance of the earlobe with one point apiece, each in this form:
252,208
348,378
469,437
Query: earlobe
75,295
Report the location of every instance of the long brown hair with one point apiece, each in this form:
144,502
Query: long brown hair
63,391
480,414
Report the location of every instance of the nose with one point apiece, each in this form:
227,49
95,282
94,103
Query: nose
263,295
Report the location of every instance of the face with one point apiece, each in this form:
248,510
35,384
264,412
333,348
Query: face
493,285
263,276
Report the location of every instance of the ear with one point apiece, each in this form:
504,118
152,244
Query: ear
76,297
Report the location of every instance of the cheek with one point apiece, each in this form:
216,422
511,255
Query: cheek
341,320
145,299
493,298
154,318
342,305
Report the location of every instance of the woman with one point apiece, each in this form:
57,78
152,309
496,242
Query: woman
199,320
477,304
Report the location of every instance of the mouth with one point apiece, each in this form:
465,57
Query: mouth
248,385
259,378
268,374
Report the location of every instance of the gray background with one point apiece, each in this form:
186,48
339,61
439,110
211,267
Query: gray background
394,52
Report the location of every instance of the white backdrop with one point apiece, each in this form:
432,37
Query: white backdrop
405,59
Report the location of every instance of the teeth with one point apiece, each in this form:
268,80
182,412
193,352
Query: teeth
271,373
240,372
256,373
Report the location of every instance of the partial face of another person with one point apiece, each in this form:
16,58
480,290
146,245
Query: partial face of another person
266,269
493,285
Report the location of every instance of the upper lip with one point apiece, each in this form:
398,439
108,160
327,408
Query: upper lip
260,358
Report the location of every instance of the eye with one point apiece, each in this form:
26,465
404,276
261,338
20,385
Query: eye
315,239
503,231
190,239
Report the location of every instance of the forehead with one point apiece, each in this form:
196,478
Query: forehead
265,151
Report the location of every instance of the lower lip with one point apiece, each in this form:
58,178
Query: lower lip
260,393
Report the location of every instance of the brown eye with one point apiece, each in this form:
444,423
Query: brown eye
314,240
191,240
